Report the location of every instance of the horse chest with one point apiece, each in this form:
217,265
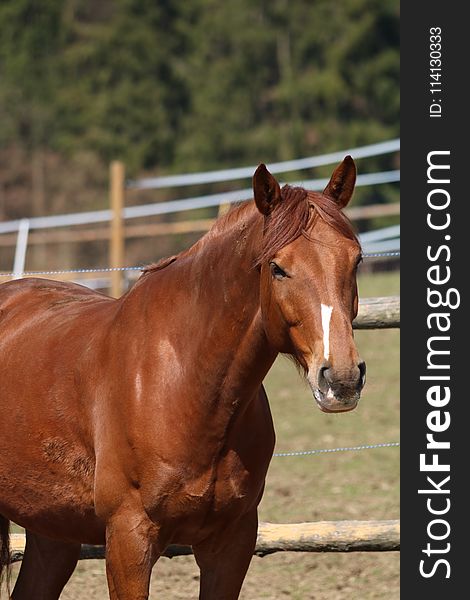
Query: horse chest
197,499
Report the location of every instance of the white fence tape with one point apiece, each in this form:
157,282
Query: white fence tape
279,167
174,206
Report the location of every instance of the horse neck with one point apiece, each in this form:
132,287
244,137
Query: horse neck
216,307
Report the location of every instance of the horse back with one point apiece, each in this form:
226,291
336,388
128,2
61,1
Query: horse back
43,291
49,326
28,303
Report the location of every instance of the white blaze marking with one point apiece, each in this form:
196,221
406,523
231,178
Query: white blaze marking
325,322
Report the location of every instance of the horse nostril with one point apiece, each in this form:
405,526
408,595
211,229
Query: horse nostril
362,373
323,379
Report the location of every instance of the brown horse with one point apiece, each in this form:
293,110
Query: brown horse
142,421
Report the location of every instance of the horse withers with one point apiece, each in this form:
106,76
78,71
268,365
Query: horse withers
142,422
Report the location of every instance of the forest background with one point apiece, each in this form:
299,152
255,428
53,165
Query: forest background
178,86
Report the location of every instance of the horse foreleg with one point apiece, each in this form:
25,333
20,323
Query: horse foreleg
47,566
131,552
224,559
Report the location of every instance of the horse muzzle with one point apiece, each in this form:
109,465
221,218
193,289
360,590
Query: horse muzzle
338,390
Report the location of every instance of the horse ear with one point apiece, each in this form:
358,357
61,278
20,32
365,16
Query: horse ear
266,189
341,185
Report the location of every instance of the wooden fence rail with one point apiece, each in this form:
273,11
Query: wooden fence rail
378,313
322,536
103,232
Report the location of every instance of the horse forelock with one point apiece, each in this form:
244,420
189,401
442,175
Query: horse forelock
328,210
295,215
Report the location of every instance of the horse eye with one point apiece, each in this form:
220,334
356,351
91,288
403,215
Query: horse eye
276,271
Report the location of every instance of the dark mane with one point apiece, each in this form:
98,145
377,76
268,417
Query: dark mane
293,216
227,220
160,264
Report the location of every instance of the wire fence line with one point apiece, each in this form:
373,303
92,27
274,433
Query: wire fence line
141,267
77,271
381,254
341,449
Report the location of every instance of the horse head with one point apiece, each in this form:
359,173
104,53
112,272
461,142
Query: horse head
308,291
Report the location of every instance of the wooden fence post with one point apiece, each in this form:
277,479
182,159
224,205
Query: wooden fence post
116,246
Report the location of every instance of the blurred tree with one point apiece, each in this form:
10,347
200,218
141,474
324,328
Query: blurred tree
173,85
280,79
29,44
120,96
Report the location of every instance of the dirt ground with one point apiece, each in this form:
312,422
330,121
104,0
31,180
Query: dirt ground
360,485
